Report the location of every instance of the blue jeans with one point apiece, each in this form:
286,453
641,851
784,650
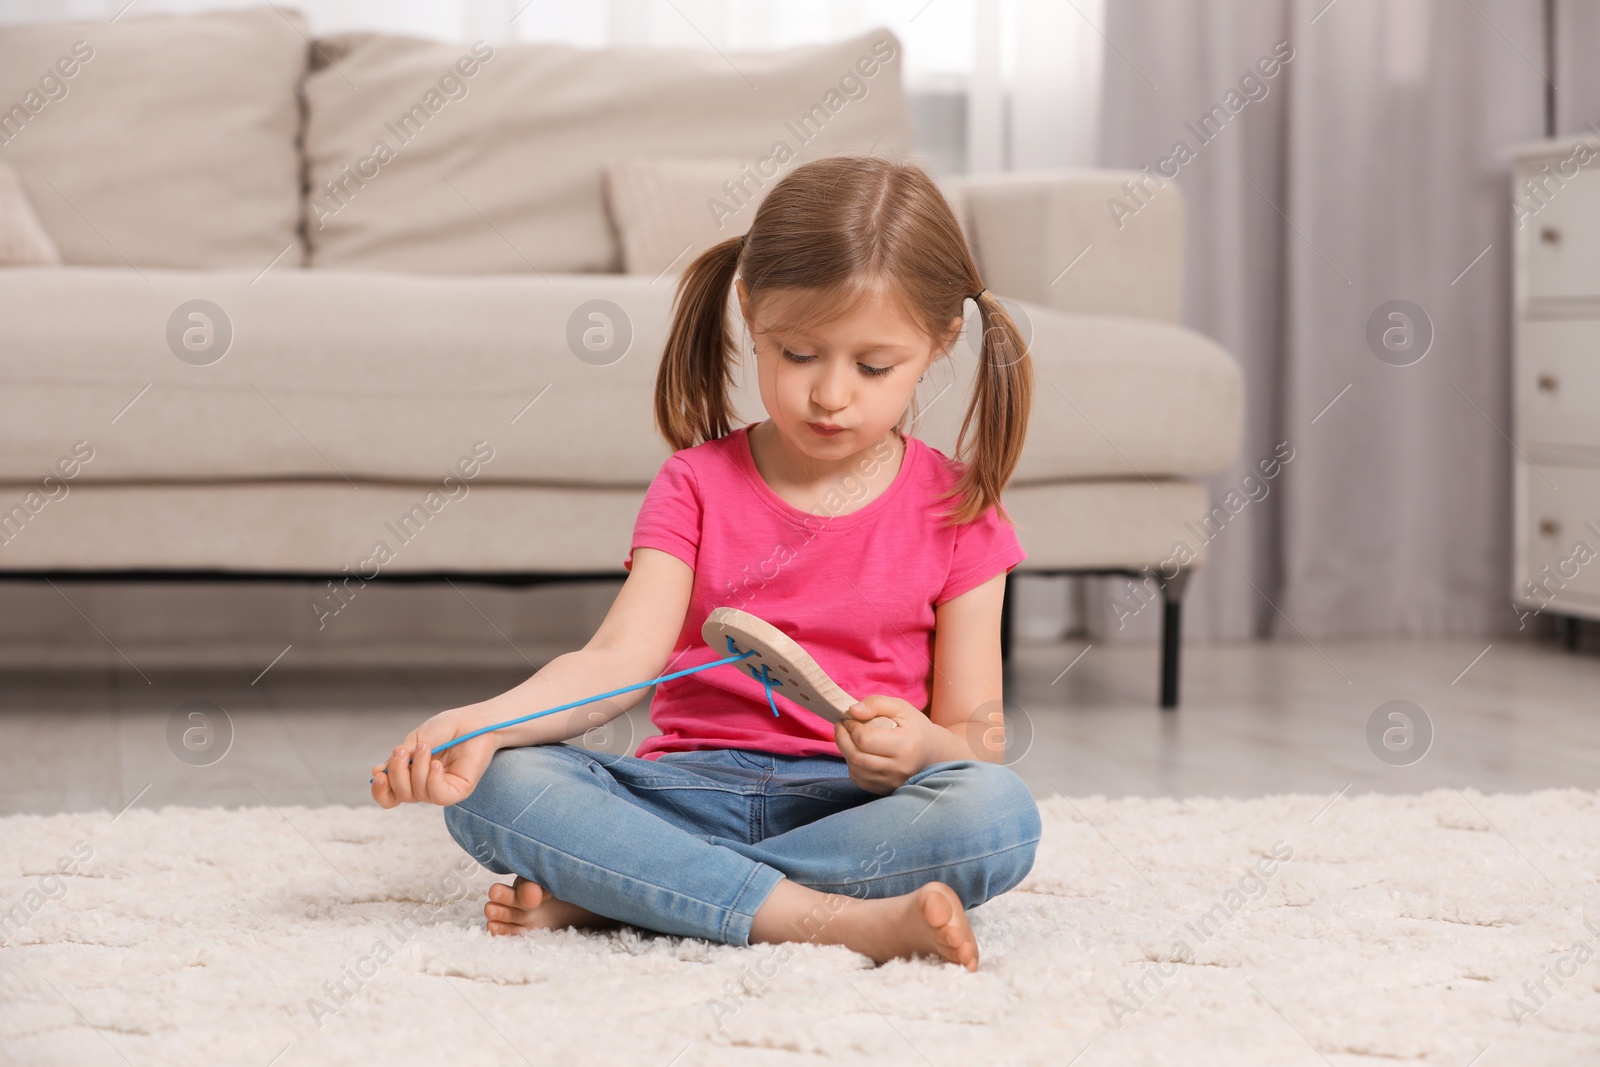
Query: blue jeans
691,843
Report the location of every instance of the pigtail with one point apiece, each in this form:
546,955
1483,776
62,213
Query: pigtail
696,372
1002,396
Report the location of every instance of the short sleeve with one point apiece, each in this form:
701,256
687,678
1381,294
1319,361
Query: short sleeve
669,518
984,547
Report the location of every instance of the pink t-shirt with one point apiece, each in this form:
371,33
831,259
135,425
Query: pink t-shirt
856,590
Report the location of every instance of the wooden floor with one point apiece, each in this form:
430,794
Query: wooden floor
1256,719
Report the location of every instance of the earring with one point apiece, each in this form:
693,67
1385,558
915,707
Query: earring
921,376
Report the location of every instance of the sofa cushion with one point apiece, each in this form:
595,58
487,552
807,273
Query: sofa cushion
23,242
666,211
476,525
159,141
1113,397
352,376
476,159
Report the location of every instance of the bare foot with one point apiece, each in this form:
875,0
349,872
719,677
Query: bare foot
524,905
928,921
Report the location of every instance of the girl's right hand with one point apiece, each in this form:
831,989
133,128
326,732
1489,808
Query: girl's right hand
414,775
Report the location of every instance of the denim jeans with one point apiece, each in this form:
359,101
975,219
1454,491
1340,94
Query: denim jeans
691,843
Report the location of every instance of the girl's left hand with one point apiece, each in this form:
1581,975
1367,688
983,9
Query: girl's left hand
881,758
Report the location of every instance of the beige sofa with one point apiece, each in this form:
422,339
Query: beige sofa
393,366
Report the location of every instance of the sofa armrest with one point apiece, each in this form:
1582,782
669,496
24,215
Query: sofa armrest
1029,228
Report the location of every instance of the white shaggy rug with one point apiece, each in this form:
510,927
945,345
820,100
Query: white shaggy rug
1446,928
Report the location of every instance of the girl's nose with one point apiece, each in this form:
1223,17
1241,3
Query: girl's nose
832,392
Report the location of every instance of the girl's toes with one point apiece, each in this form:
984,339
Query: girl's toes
527,895
504,920
937,909
501,893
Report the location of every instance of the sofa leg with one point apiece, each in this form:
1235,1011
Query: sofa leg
1171,635
1005,622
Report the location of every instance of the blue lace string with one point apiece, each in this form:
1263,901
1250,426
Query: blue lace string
765,678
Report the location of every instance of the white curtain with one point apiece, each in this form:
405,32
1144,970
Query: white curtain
1374,169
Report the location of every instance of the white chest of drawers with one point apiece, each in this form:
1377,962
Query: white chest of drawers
1555,379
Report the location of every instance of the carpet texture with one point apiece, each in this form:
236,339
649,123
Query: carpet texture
1420,929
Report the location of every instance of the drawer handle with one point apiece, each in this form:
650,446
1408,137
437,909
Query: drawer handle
1549,235
1549,527
1547,383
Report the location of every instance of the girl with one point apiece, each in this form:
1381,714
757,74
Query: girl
883,557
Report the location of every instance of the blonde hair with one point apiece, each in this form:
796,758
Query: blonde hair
836,228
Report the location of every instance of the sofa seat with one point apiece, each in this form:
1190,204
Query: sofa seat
355,378
325,528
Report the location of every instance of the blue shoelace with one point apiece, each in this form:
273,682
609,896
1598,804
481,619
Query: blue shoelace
765,678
